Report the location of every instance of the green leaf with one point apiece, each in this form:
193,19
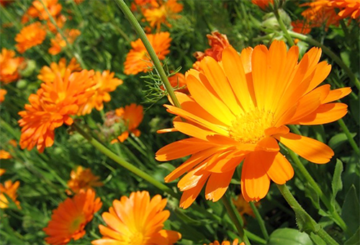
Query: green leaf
304,221
336,183
350,212
339,139
354,239
289,237
317,240
311,193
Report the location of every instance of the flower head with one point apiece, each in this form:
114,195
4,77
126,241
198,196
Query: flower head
242,206
348,8
301,27
5,155
235,242
48,74
3,92
60,22
37,9
30,36
52,106
138,59
2,171
160,15
320,13
143,5
83,179
137,220
238,110
263,4
70,218
9,188
104,83
9,66
130,116
58,42
177,81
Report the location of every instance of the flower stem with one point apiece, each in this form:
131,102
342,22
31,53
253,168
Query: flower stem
235,218
122,162
122,5
260,220
331,54
283,27
303,215
348,135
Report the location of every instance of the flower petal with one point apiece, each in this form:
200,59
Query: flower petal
217,185
280,170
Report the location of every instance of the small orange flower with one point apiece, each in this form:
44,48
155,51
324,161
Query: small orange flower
5,155
48,74
52,106
70,218
242,206
104,83
263,4
348,8
320,13
143,5
138,59
131,117
301,27
60,22
78,1
58,42
10,190
178,82
3,92
237,112
30,36
9,66
160,15
83,179
5,2
137,220
217,42
37,10
2,171
235,242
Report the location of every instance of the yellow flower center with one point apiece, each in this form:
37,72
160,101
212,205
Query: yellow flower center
249,128
137,238
75,225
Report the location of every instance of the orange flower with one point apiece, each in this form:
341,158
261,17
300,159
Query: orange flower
52,106
5,155
235,242
320,13
217,42
3,92
37,10
30,36
48,74
237,112
83,179
104,83
348,8
263,4
58,42
2,171
143,4
131,117
178,82
60,22
78,1
10,190
9,66
69,219
137,220
138,59
301,27
160,15
5,2
242,206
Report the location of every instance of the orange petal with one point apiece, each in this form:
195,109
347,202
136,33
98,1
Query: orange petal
280,170
189,196
268,144
336,94
217,185
325,114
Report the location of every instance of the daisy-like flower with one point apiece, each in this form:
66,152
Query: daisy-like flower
105,82
178,82
263,4
30,36
348,8
48,74
131,116
238,110
83,179
58,43
37,10
70,218
137,220
143,5
5,155
2,171
3,92
301,27
9,188
52,106
138,59
9,66
60,22
235,242
242,206
160,15
320,13
218,42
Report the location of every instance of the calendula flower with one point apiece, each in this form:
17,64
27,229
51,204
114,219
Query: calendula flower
217,42
58,42
9,66
138,59
160,15
131,116
5,155
3,92
30,36
105,82
235,242
242,206
143,5
83,179
9,188
37,10
137,220
2,171
48,74
68,221
263,4
320,13
177,81
60,22
301,27
238,110
348,8
52,106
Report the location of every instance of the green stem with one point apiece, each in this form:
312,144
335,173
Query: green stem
348,135
122,5
122,162
283,27
235,218
255,238
316,187
331,54
299,210
260,220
